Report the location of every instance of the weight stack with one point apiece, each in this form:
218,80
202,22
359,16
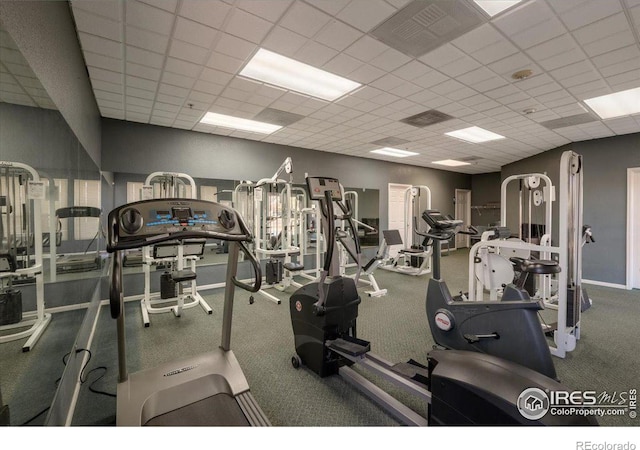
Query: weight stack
167,286
10,306
273,271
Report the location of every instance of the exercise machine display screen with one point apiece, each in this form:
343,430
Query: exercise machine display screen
436,220
182,214
319,185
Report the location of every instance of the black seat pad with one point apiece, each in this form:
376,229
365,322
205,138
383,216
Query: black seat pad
540,266
293,267
183,275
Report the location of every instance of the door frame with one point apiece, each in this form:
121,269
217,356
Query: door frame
467,213
633,181
390,186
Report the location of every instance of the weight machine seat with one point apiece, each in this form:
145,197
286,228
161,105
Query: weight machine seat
412,250
293,267
183,275
538,266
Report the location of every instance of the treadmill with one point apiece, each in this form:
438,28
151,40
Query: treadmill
81,262
204,390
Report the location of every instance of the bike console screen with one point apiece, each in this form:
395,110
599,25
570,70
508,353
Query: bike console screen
319,185
436,220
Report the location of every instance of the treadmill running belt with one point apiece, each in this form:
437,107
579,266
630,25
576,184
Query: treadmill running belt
217,410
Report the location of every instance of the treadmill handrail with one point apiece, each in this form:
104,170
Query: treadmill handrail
256,268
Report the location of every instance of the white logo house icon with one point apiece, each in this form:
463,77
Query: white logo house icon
533,403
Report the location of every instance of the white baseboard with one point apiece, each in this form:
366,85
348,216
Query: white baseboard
602,283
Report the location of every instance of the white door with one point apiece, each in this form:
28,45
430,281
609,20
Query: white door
463,212
396,212
633,227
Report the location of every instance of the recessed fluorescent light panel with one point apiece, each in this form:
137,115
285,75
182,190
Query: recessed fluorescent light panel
474,135
237,123
288,73
451,163
388,151
494,7
621,103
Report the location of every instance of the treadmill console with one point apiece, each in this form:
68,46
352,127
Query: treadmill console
437,221
147,219
319,185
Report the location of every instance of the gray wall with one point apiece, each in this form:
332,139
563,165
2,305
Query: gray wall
133,147
605,198
46,36
485,189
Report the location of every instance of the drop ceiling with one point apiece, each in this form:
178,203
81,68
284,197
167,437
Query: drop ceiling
168,62
18,84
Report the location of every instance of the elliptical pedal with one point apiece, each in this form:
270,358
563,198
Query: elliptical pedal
349,345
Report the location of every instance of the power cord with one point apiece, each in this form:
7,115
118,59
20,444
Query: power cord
83,379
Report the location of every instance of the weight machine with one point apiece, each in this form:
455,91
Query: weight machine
174,256
568,298
21,193
415,258
351,198
274,231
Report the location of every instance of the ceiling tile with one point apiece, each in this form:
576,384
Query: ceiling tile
266,9
188,52
539,33
173,90
110,9
146,39
366,74
315,54
98,45
588,12
624,54
342,64
207,87
141,83
104,75
103,62
148,18
390,60
474,40
167,5
141,93
194,33
366,48
108,87
332,7
178,80
283,41
494,52
247,26
376,12
459,67
235,47
606,27
337,35
304,19
224,63
137,70
144,57
99,26
206,12
513,63
609,43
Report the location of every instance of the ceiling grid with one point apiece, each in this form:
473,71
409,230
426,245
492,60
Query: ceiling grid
168,62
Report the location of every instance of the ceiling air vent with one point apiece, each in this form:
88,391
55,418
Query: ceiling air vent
426,118
277,117
568,121
390,141
469,158
424,25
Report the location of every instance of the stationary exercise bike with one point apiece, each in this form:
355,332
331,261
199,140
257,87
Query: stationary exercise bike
459,387
509,329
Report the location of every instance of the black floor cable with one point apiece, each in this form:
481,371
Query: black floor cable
83,378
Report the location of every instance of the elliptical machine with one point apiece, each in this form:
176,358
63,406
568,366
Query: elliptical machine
461,388
509,329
